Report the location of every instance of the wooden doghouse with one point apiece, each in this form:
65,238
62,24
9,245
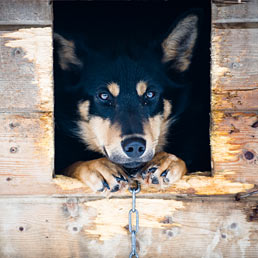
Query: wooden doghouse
198,216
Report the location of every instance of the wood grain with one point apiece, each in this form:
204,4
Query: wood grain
59,227
234,12
234,69
26,64
25,12
196,184
234,58
235,100
26,146
234,141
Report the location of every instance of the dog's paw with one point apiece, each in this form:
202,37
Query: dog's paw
101,175
163,169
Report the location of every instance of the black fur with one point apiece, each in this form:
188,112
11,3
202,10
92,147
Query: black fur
114,43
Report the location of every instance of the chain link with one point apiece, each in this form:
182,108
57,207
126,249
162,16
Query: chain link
134,229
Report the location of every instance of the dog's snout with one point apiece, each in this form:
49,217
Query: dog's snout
134,147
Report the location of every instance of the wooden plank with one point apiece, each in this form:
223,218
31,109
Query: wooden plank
26,63
234,141
195,184
238,12
25,12
51,227
27,148
234,59
236,100
234,74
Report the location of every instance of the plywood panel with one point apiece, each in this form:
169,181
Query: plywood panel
25,12
26,63
26,146
51,227
234,140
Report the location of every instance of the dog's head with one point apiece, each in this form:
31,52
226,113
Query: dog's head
123,100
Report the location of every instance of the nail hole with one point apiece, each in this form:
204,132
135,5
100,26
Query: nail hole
8,179
235,65
233,225
170,233
223,236
75,229
13,149
249,155
21,228
17,51
13,125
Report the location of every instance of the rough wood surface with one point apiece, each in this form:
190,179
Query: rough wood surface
26,65
235,11
26,146
191,185
25,12
234,69
234,141
51,227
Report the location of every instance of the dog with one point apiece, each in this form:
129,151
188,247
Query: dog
114,108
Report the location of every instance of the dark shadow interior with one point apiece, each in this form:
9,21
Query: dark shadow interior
190,135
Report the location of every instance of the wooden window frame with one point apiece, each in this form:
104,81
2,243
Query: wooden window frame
27,125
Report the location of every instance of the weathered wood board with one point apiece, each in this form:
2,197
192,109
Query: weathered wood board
26,93
234,11
234,69
204,227
26,69
234,91
234,142
27,149
25,12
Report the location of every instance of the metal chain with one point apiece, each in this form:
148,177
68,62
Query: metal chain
134,229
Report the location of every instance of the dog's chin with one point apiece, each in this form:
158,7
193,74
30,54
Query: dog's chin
133,168
133,165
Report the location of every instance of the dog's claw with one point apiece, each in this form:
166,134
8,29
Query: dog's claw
152,170
164,173
165,180
105,184
102,189
121,178
115,188
155,180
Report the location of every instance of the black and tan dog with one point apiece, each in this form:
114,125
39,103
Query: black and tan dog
118,103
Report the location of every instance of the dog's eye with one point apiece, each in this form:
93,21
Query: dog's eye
150,94
104,96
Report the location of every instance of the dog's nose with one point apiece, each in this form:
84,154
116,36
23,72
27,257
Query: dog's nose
134,147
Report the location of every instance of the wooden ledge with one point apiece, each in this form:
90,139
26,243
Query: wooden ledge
195,184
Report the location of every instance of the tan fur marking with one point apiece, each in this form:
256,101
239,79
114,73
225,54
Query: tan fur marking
141,87
174,166
98,133
171,45
155,132
114,88
93,172
167,109
66,52
84,109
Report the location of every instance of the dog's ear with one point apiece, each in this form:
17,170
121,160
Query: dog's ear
66,53
178,46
